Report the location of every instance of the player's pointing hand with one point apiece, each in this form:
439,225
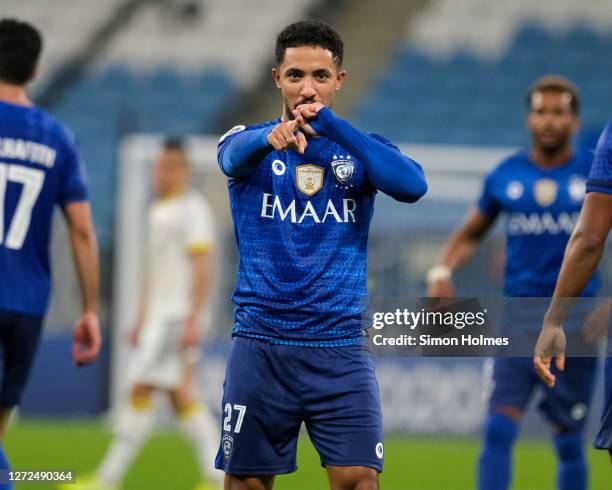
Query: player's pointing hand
285,135
551,343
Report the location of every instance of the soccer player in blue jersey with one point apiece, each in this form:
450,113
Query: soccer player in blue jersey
302,190
582,255
540,190
39,167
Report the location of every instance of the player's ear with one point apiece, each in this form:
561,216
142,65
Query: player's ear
276,76
340,78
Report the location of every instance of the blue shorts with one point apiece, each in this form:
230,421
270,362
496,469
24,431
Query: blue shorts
19,336
270,389
603,440
565,406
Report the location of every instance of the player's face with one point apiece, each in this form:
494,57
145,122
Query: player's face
308,74
551,120
170,173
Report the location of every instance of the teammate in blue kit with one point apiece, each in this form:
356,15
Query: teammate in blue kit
39,167
540,191
582,255
302,191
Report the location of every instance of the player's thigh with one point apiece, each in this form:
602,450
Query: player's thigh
352,478
566,405
20,335
248,482
261,412
342,406
183,395
512,383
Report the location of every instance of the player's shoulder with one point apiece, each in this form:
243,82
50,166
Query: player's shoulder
510,164
239,128
50,124
605,140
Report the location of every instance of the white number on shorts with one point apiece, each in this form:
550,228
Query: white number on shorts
32,181
227,426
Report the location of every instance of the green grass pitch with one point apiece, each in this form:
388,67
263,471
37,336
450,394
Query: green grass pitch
167,462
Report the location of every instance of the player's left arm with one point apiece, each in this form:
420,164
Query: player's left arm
388,169
583,252
87,340
199,244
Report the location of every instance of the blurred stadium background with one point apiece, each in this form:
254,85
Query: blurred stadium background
445,78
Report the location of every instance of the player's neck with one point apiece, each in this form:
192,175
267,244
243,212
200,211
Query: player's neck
14,94
546,159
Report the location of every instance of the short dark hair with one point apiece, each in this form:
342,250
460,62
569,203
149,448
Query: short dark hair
174,143
309,33
558,84
20,47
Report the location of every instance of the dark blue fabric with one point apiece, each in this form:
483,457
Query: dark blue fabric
19,337
332,390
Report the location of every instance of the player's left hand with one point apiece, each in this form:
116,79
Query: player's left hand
192,334
86,341
551,343
308,111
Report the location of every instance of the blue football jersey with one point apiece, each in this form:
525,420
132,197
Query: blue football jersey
600,178
541,207
39,167
301,224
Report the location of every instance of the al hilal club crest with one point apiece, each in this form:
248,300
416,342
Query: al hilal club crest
228,447
343,168
545,192
309,178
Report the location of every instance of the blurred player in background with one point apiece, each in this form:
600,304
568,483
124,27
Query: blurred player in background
583,253
302,191
544,185
167,333
39,167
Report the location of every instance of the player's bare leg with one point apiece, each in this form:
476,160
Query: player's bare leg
5,415
197,424
233,482
352,478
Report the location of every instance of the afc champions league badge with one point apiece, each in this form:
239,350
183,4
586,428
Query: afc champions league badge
343,168
228,447
309,178
545,192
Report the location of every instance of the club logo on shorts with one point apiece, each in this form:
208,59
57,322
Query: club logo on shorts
577,188
228,447
515,190
545,192
379,450
579,411
309,178
343,168
278,167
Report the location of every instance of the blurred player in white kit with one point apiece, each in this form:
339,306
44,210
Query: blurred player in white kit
167,333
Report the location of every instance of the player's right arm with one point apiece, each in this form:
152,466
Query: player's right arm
240,150
458,249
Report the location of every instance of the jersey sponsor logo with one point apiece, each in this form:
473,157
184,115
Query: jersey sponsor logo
540,223
343,168
278,167
272,208
515,190
545,192
577,188
234,130
309,178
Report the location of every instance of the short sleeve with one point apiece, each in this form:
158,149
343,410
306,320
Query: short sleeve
199,232
600,177
73,186
487,202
